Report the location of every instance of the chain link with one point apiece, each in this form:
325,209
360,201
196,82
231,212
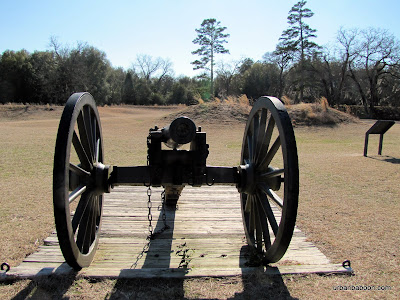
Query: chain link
149,204
164,216
149,215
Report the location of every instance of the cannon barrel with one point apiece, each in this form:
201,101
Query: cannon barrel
181,131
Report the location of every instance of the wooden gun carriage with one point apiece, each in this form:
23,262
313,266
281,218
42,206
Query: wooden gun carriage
267,177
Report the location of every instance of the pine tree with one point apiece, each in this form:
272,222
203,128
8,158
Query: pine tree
296,38
211,39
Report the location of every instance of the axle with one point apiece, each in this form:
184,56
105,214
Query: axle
141,175
173,169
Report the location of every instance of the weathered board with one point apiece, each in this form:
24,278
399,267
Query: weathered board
205,238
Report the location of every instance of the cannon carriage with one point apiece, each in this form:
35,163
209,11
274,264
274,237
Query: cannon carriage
267,177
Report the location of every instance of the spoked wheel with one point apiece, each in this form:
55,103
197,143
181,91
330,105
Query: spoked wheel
269,184
79,180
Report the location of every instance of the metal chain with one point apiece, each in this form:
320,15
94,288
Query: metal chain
149,204
164,216
149,215
153,235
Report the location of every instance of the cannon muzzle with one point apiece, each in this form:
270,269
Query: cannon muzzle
181,131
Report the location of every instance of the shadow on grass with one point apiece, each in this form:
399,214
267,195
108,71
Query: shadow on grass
257,284
47,287
386,158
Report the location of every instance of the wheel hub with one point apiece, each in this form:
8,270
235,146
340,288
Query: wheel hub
100,178
247,183
249,178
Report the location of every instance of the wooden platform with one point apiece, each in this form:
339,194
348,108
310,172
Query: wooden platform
205,238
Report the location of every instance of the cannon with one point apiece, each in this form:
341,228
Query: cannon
267,177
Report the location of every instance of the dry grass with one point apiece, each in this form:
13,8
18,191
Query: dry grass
318,114
348,207
287,101
236,109
228,111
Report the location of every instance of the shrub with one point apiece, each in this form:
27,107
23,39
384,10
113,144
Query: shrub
286,100
324,104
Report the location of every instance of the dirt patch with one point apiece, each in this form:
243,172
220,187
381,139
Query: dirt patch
17,112
227,113
214,113
314,114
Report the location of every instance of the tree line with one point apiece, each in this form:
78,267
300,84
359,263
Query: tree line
52,76
361,67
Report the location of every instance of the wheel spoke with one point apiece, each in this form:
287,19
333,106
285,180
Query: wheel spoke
85,134
250,146
272,195
80,210
261,133
272,173
84,232
259,231
268,212
97,157
245,213
264,224
98,209
271,153
266,140
251,228
80,151
256,125
90,130
92,226
78,170
95,139
76,193
248,204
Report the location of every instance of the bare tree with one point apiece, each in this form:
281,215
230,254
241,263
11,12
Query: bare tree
373,54
226,73
148,67
333,66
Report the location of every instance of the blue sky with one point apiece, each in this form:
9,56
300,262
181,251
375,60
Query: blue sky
166,28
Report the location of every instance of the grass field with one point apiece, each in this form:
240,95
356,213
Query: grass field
349,206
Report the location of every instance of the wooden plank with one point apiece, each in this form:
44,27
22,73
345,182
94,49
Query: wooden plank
207,228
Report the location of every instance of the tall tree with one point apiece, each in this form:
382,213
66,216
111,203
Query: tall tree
281,57
128,91
211,38
297,39
260,80
15,76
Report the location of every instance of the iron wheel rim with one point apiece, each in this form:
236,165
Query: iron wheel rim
77,202
266,232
